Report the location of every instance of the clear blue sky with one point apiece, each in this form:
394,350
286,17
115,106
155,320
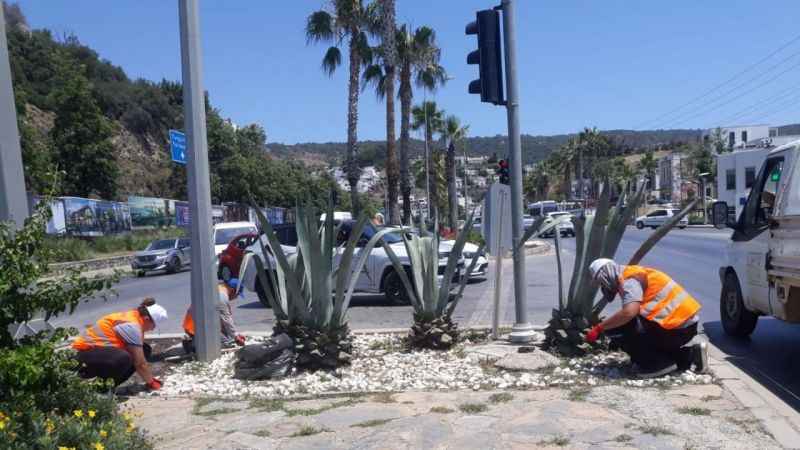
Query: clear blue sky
610,64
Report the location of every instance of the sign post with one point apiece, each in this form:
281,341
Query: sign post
204,292
496,230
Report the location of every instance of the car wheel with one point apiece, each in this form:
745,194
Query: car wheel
394,290
736,319
174,265
639,225
682,227
262,293
140,273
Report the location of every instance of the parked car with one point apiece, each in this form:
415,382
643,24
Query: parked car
377,276
225,232
481,265
476,223
659,217
164,254
230,260
566,228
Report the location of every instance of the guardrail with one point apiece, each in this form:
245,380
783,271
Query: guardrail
111,262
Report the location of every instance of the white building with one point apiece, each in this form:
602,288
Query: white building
670,177
370,177
736,173
739,136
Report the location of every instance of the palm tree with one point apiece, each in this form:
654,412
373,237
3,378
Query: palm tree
346,22
381,74
418,58
429,118
452,132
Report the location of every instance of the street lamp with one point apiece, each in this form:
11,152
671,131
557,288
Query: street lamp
703,187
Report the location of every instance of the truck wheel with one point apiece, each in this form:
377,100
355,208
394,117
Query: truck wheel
261,293
394,290
639,225
736,319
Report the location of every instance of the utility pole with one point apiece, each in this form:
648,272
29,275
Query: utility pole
203,282
522,330
13,203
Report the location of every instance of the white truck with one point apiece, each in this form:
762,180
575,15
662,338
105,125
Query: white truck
377,276
762,273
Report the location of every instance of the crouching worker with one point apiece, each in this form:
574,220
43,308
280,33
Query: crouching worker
114,347
657,320
227,292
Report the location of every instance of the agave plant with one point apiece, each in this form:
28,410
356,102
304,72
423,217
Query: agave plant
596,236
431,298
312,292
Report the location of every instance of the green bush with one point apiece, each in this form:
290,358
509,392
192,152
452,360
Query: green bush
67,249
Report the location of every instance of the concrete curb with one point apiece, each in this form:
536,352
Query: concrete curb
778,418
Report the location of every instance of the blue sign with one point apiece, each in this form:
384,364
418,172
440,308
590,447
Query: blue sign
177,145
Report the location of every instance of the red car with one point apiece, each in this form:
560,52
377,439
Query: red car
231,258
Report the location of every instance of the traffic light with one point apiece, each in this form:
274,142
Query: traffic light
488,57
502,171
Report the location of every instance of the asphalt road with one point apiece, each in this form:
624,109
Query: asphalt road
691,257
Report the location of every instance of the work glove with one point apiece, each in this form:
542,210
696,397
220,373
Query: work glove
154,384
239,340
594,333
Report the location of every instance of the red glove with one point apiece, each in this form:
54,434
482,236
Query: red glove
155,384
594,333
239,340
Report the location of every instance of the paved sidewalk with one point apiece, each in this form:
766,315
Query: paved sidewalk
698,416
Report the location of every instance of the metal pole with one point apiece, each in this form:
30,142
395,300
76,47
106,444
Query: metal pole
13,203
705,208
498,268
204,291
466,186
427,159
522,331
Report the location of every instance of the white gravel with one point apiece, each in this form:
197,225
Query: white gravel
375,369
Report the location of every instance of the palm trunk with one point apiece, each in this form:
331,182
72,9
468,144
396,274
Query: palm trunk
352,169
405,125
393,214
432,175
452,198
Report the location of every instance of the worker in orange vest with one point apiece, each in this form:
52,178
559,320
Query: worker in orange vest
657,320
227,292
114,347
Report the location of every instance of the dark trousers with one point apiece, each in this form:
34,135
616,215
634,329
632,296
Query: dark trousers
108,363
652,347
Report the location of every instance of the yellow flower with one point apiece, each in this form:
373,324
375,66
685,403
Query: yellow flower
2,425
129,429
49,426
92,413
98,446
78,413
103,433
63,448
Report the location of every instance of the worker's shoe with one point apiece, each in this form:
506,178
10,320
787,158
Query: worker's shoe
700,357
655,373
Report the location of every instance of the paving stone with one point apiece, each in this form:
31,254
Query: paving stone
527,361
701,390
340,418
746,397
783,432
239,440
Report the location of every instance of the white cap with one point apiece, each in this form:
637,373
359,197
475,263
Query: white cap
157,313
597,264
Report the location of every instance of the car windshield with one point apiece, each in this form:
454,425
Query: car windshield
674,211
554,215
225,235
389,238
165,244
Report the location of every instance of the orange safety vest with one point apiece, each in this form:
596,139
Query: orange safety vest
102,333
664,302
188,321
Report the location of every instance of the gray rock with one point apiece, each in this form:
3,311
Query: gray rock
527,361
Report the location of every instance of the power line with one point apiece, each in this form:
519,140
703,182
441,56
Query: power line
720,85
758,105
792,102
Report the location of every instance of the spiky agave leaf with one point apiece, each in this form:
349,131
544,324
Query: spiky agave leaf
463,281
452,264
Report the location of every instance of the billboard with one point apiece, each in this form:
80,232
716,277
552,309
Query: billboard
86,217
151,212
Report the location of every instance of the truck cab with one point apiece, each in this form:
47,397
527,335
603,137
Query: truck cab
761,275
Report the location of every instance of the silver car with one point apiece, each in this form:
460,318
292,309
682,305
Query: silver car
164,254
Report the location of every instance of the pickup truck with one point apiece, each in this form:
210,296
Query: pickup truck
761,274
377,276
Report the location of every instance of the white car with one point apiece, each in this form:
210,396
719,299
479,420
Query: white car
224,233
659,217
468,253
377,276
565,228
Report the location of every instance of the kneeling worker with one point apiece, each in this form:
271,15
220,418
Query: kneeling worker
114,347
657,319
227,292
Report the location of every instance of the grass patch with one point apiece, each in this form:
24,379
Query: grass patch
266,405
308,430
202,402
214,412
501,397
578,394
321,409
372,423
473,408
384,397
262,433
441,410
487,365
710,398
558,441
623,438
655,430
694,411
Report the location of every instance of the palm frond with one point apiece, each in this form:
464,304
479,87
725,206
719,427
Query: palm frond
331,60
375,76
320,27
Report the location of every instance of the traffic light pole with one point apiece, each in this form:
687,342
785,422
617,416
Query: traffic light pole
522,330
13,204
203,281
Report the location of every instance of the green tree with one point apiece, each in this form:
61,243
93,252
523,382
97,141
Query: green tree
453,133
82,137
429,118
346,23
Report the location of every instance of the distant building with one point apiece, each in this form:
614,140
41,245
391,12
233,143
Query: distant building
670,177
738,136
370,177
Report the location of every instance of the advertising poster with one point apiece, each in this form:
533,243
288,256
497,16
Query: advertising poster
182,216
151,212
